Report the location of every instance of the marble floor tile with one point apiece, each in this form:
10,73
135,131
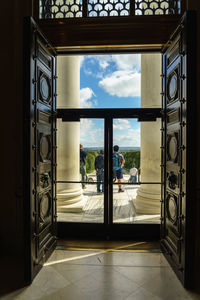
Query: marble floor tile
166,285
69,293
74,273
49,280
74,257
130,259
142,294
140,275
106,282
104,275
106,257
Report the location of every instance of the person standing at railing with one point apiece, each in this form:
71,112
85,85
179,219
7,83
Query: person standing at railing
99,167
83,166
118,163
133,174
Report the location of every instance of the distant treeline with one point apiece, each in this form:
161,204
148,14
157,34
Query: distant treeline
131,157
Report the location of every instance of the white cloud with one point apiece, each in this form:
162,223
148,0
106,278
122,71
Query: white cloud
130,139
86,93
89,135
86,100
127,62
122,84
103,60
117,62
85,126
121,61
121,124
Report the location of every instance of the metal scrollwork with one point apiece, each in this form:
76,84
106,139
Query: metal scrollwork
172,208
55,9
156,7
172,180
45,89
172,87
52,9
44,180
172,147
106,8
45,147
45,207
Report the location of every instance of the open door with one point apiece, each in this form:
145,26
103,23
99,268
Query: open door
40,147
178,149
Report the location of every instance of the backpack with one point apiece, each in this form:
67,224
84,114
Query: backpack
116,164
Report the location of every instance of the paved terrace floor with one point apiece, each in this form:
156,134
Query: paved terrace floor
92,207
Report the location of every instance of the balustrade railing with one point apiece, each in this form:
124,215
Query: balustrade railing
53,9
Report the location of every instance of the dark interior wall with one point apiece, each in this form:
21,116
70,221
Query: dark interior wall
195,5
12,213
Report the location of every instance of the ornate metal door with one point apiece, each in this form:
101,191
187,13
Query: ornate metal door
40,146
178,84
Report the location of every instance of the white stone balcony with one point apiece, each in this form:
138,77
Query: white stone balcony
93,206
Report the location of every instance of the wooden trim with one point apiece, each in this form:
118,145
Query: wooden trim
98,32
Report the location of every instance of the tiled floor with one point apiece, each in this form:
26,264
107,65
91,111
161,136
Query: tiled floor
123,209
104,274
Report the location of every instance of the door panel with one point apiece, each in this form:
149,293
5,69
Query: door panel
40,137
139,143
177,137
80,187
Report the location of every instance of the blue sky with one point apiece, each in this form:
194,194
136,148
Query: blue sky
110,81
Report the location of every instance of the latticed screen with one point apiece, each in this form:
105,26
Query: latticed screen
156,7
103,8
51,9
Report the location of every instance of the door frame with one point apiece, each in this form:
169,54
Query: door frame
108,229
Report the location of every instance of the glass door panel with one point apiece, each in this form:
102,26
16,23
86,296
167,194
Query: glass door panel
136,171
80,171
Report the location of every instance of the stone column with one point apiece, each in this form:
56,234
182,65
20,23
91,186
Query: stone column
69,195
149,195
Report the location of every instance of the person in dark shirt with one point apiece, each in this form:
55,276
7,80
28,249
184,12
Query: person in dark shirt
82,166
99,167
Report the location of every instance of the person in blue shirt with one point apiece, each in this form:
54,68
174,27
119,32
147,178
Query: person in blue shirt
118,163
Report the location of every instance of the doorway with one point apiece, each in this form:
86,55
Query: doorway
176,134
118,95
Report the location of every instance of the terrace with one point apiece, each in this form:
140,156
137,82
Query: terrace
91,209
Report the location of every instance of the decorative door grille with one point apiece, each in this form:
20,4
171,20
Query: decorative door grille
53,9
